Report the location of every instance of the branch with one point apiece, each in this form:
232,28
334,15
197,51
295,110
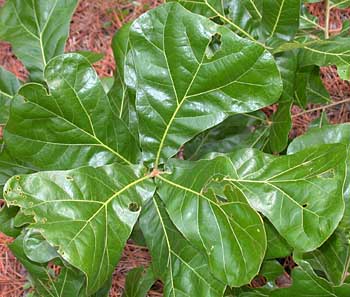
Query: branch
321,107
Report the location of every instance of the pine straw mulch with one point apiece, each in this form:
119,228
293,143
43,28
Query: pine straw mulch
93,25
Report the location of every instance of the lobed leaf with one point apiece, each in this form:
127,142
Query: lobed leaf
190,73
87,213
73,125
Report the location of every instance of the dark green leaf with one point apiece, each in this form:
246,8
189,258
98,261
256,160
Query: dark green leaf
280,21
37,30
138,282
333,51
246,14
310,88
7,221
237,131
271,270
280,127
277,247
9,167
305,284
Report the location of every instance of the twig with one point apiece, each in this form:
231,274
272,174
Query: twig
324,107
327,13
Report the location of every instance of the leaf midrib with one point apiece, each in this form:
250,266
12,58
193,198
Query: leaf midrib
277,19
179,104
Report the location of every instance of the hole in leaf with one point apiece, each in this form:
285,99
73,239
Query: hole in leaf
214,46
216,19
69,177
17,177
134,207
305,205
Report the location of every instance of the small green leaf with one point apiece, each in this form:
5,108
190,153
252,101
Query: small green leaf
92,57
138,282
271,270
344,72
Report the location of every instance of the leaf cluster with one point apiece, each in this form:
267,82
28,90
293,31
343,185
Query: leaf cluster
175,154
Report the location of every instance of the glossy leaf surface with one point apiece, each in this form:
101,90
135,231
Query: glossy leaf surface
37,30
237,131
333,258
9,85
123,98
182,268
300,194
333,51
223,226
73,125
69,282
190,72
280,20
9,167
87,213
